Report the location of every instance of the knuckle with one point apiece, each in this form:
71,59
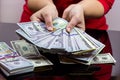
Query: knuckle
45,14
72,24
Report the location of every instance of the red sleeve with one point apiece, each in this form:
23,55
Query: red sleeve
107,4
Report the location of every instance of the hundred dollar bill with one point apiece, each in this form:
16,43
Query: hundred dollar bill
28,28
84,38
59,23
66,60
41,63
58,40
103,59
66,41
79,43
25,49
6,51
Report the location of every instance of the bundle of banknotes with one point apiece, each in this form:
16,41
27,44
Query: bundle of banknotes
31,53
76,45
105,58
75,42
24,58
11,63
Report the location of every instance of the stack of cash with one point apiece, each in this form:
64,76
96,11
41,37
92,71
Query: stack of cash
16,65
105,58
31,53
23,58
11,63
76,45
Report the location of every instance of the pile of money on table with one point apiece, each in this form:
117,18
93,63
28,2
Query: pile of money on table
23,58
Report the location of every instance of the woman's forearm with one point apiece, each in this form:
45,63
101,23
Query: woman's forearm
35,5
92,8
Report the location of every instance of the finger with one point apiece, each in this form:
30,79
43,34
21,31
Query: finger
35,18
65,13
48,22
81,26
71,24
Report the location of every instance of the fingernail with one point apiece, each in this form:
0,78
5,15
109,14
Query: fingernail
68,29
50,28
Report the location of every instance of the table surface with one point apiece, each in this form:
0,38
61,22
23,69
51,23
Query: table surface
7,34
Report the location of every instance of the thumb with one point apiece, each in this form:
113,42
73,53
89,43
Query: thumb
48,22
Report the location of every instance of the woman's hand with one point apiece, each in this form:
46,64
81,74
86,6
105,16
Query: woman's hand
47,14
75,15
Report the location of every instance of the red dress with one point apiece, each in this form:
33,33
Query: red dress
95,27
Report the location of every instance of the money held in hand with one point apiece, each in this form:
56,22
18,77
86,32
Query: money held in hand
72,43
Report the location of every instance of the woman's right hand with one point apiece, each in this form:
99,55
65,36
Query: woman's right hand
46,14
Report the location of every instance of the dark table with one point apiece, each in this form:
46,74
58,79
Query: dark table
7,34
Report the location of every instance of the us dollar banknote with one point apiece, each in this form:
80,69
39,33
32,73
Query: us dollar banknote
25,49
6,51
103,58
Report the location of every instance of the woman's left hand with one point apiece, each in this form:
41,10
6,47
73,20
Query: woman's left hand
75,15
